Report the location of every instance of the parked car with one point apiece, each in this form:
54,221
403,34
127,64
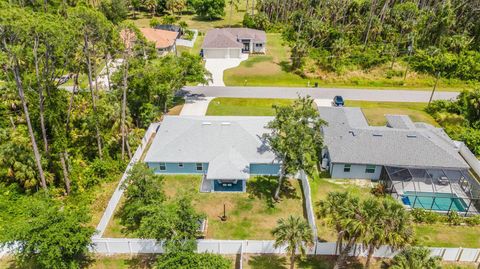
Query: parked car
338,101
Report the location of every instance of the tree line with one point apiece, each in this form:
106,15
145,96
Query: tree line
62,134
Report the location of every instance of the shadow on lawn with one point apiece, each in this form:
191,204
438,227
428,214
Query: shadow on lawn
263,188
311,262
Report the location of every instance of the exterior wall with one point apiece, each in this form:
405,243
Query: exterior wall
173,168
255,49
264,169
356,171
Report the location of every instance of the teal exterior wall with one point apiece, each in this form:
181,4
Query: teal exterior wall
264,169
173,168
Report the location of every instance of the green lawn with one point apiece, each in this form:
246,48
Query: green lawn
194,22
374,111
272,69
441,235
244,106
251,215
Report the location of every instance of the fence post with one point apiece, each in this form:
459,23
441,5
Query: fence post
107,247
130,247
443,253
459,254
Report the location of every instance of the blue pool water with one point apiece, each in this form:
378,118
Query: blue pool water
235,187
442,201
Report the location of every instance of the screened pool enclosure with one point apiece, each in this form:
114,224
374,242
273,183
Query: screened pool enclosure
440,190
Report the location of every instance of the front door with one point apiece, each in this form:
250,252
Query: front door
246,47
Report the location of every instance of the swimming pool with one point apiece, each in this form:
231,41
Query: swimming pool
442,201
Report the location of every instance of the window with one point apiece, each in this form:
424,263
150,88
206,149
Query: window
180,165
162,167
370,169
199,166
347,168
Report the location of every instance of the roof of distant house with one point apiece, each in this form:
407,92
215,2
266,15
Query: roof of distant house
228,144
161,38
229,37
350,139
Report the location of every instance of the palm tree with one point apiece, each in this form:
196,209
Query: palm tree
388,224
294,232
415,258
151,5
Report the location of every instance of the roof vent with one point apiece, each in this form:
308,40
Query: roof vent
352,132
411,135
206,123
226,123
377,134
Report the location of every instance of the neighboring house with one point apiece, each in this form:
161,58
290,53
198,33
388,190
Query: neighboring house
226,151
168,27
232,42
164,40
353,149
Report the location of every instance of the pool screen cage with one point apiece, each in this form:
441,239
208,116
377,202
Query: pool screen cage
441,190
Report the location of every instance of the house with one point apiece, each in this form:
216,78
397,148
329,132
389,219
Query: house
164,40
226,151
354,149
232,42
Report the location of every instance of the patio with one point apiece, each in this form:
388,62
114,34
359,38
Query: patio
441,190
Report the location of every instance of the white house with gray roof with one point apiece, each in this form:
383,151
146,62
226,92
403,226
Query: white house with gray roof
354,149
232,42
226,151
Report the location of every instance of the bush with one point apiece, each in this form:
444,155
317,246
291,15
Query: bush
258,21
421,215
154,22
379,190
454,218
473,221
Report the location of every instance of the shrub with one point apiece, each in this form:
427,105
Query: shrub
421,215
379,190
454,218
154,22
473,221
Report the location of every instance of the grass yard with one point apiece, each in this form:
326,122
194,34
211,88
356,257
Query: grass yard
102,195
375,111
197,46
441,235
251,215
195,22
244,106
272,69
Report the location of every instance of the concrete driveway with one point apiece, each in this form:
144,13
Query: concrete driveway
195,106
323,102
217,66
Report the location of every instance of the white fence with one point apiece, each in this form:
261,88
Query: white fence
115,199
188,43
308,203
232,247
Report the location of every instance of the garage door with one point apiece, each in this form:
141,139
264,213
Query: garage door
214,53
221,53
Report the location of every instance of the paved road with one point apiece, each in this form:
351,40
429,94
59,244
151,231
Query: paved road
320,93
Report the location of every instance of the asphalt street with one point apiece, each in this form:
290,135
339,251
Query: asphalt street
320,93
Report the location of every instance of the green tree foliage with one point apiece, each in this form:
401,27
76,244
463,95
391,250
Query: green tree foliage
377,30
295,137
182,255
413,258
147,213
152,84
460,118
209,9
295,233
372,222
115,11
47,233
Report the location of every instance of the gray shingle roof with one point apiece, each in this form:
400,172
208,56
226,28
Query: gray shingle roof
228,144
350,140
228,37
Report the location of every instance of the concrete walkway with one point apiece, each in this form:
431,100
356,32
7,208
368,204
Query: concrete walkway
195,106
217,66
321,93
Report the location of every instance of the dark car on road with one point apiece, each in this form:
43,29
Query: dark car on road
338,101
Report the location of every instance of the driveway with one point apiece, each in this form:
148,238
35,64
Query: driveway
392,95
323,102
195,106
217,66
